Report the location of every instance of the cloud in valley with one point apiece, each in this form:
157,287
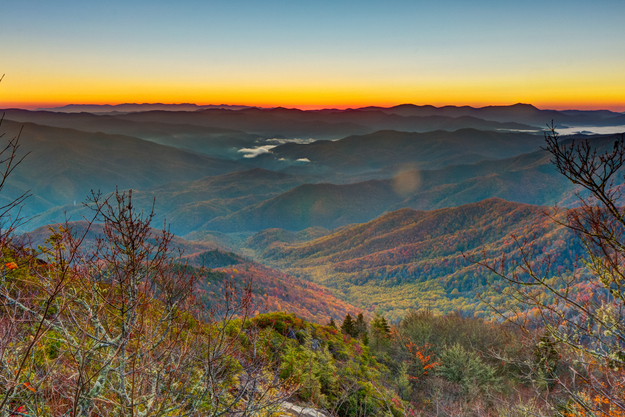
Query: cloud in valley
254,152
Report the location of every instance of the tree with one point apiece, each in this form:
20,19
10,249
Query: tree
380,326
547,359
10,158
118,328
466,368
360,326
580,314
126,328
348,327
29,294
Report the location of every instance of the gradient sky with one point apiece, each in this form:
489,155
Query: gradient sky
553,54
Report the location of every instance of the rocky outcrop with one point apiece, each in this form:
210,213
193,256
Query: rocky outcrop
292,410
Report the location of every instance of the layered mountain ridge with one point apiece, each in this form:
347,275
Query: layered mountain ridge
377,208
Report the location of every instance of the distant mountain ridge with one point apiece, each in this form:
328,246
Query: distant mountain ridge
133,107
64,165
269,123
257,199
528,178
188,205
427,150
520,113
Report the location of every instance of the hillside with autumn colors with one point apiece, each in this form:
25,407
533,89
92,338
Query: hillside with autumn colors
271,289
325,196
411,259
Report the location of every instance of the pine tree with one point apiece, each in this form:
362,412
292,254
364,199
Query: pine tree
380,330
332,323
365,338
348,327
381,326
361,325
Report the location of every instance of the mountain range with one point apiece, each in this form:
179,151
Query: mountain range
374,208
133,107
521,113
64,165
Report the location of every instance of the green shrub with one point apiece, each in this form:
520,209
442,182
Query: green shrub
466,369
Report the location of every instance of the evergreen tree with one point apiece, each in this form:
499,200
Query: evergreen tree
380,330
332,323
361,325
403,382
348,327
381,326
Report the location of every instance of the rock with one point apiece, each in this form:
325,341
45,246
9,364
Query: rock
291,334
315,344
292,410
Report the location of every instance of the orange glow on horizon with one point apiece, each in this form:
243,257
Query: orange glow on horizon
544,105
554,90
592,94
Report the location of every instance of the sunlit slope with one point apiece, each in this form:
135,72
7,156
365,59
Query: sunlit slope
421,259
274,290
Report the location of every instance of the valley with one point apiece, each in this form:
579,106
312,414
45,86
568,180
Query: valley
386,220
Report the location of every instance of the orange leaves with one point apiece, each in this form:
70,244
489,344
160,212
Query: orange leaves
11,265
598,402
423,358
29,386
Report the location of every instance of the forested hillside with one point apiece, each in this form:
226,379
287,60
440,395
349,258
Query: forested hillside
413,259
270,289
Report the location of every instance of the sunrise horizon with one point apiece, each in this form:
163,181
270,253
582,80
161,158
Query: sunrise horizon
33,106
554,55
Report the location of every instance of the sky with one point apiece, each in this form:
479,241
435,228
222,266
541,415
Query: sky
313,54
